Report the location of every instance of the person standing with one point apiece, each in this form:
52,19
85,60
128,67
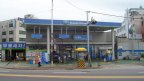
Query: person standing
39,61
104,58
59,58
65,57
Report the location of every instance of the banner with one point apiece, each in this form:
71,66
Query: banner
43,58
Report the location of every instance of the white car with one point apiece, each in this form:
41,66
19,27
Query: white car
135,56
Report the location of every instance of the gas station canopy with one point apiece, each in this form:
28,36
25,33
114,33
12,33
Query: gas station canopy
71,24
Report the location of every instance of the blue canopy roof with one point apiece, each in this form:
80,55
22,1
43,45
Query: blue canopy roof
68,22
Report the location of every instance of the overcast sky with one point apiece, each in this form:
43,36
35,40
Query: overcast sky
67,9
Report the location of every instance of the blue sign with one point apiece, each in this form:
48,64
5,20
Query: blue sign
120,50
81,37
64,36
71,22
43,58
36,36
13,45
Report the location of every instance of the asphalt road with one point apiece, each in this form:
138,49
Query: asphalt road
135,74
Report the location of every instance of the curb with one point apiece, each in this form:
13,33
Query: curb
49,68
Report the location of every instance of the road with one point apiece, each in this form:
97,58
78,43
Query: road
135,74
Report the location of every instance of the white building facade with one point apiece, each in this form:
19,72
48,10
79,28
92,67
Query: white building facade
132,20
12,31
130,34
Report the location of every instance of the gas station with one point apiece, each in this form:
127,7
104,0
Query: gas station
69,35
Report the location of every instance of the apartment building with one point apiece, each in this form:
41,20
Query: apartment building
13,32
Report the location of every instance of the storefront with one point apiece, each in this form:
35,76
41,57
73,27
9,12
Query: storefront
13,51
32,56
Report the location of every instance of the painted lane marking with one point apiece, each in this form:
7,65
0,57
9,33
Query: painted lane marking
75,77
141,72
69,72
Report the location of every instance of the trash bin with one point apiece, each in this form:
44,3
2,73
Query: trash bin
30,61
110,57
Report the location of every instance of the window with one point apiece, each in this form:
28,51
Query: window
22,32
10,24
22,39
10,32
118,30
3,33
3,40
10,39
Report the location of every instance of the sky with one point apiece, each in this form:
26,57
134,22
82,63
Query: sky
67,9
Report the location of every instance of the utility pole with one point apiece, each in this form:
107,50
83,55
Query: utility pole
52,45
89,56
127,18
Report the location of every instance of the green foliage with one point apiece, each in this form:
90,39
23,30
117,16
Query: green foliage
142,55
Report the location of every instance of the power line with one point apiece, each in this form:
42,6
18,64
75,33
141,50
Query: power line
91,11
74,5
98,12
106,14
114,15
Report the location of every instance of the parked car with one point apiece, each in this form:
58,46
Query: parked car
135,56
126,58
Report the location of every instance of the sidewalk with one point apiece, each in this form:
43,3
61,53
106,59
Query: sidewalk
24,65
95,65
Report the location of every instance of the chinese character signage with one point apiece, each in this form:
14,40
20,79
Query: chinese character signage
13,45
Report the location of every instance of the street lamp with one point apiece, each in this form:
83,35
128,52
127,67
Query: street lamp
88,36
89,56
